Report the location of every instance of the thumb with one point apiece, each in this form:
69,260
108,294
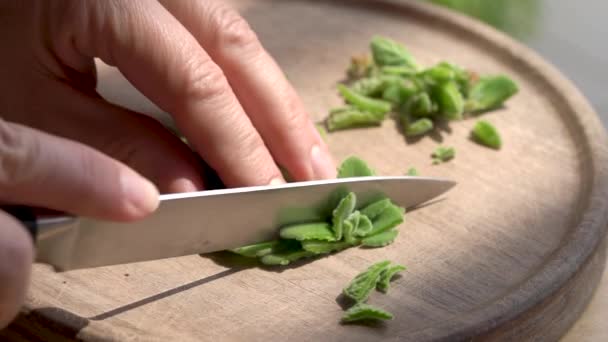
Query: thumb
40,169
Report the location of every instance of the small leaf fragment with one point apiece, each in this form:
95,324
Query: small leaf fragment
450,100
381,239
486,134
341,213
418,127
365,103
350,117
350,225
354,167
412,172
490,92
308,231
360,287
376,208
386,52
363,311
365,226
386,276
251,251
285,258
324,247
390,217
368,86
443,154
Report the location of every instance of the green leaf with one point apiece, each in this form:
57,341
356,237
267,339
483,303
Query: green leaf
251,251
420,105
450,101
368,86
387,52
365,226
349,117
365,103
381,239
443,154
490,92
360,287
486,134
308,231
376,208
362,312
354,167
359,66
386,276
412,172
398,70
390,218
418,127
350,226
325,247
439,73
342,212
284,258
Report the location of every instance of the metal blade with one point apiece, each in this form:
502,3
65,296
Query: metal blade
214,220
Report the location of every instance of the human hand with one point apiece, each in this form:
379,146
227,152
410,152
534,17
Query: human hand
63,147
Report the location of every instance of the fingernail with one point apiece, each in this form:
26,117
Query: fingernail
276,181
140,194
183,185
322,164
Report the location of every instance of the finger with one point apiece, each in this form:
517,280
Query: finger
137,140
266,95
40,169
16,257
162,59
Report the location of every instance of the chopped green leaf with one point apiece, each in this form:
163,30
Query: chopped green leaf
360,287
390,217
450,101
381,239
486,134
351,225
369,86
285,258
387,275
308,231
362,312
412,171
365,226
365,103
490,92
387,52
418,127
354,167
376,208
324,247
443,154
349,117
251,250
341,213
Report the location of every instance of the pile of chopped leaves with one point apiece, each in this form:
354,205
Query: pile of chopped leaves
393,82
349,225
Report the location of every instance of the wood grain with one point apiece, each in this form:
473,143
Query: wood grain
513,252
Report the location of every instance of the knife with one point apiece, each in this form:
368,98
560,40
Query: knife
209,221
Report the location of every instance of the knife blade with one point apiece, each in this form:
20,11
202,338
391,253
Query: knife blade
214,220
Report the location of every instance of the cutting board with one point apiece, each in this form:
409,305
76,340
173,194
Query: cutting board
515,251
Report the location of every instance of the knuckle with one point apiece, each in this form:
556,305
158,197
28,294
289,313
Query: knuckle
234,31
205,82
17,156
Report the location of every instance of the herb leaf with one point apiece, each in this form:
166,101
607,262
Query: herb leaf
252,250
390,217
486,134
342,212
386,275
364,227
412,172
490,92
308,231
418,127
376,208
450,101
360,287
365,103
354,167
387,52
324,247
381,239
349,117
443,154
363,311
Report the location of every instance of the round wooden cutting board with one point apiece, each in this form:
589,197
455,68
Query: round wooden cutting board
514,251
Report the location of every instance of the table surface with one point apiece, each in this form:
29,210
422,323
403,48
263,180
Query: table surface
572,36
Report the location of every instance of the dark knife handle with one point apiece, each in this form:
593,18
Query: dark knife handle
25,215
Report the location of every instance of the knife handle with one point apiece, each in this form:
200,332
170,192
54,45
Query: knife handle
25,215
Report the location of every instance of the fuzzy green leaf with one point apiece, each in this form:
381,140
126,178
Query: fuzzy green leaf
390,218
381,239
308,231
486,134
386,52
365,103
490,92
360,287
362,312
324,247
341,213
354,167
376,208
386,276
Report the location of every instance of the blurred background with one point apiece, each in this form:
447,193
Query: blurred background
572,35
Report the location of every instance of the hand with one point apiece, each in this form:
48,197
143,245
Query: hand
63,147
